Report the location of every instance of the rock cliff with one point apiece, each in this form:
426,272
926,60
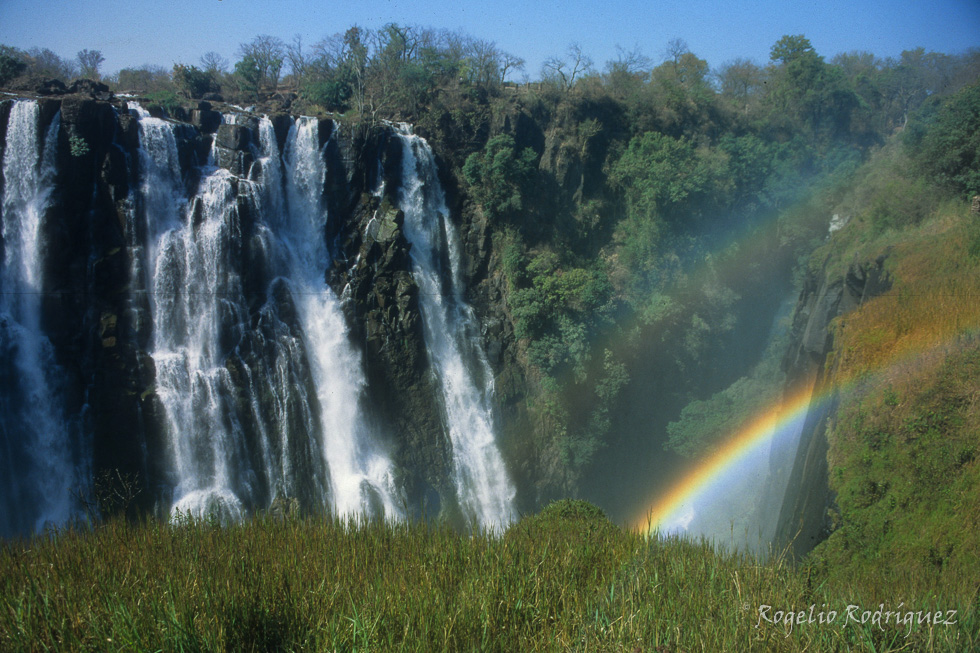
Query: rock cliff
96,309
826,296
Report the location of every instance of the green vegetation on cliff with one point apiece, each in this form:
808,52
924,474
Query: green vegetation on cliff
903,367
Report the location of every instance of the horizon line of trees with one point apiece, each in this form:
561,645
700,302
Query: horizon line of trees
398,69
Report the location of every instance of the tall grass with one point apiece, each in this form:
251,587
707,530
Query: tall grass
934,299
904,443
566,579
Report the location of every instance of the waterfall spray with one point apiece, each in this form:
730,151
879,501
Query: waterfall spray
35,433
485,492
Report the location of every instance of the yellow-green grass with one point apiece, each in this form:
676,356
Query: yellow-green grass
904,443
566,579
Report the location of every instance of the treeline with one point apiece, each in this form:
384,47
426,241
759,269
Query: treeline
379,73
397,70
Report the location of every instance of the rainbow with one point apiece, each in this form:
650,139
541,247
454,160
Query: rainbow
773,423
674,510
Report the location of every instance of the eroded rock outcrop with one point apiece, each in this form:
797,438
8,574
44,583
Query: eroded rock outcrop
803,516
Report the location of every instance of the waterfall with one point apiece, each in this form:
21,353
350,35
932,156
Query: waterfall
485,493
261,399
255,393
39,473
360,472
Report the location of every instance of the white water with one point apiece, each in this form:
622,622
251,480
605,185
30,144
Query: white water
295,429
39,472
361,473
485,492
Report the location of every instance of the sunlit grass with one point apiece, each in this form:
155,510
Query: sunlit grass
904,441
564,580
934,298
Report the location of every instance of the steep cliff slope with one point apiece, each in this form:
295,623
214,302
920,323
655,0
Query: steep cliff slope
229,315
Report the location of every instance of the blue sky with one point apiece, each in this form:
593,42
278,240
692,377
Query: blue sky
136,32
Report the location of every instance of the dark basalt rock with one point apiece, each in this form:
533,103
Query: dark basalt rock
803,518
91,88
234,137
205,119
236,162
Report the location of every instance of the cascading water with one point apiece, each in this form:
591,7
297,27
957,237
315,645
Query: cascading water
196,300
360,473
261,401
250,389
451,333
39,470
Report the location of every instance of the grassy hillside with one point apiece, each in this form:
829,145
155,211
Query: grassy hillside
903,446
566,579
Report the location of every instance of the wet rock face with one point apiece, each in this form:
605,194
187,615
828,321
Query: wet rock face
233,148
803,518
821,301
101,328
373,274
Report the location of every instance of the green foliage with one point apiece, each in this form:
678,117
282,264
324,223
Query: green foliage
611,380
750,166
11,65
261,63
949,150
332,94
705,424
193,81
660,174
77,145
166,98
681,93
559,312
498,177
807,94
248,76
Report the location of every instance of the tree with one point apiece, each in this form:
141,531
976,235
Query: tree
498,176
564,71
266,55
248,75
949,151
508,63
682,92
807,94
42,62
11,65
660,175
193,81
792,48
214,64
143,80
627,73
89,62
297,60
335,72
740,80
